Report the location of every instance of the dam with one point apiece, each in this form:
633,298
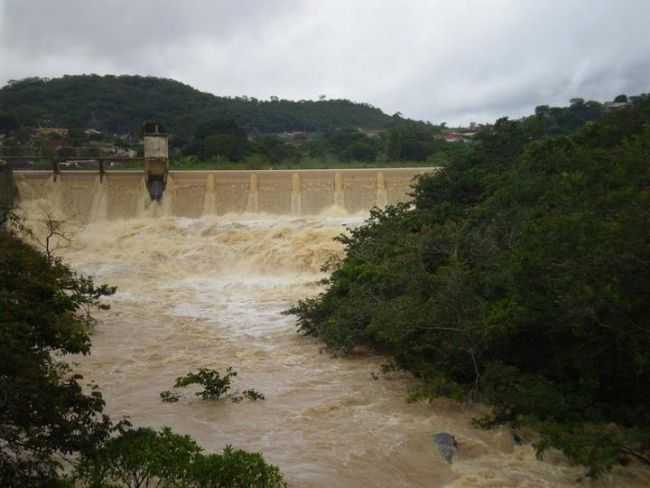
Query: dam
86,196
203,278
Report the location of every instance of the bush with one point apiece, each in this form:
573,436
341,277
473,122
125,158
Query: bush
234,468
145,457
46,417
215,386
169,396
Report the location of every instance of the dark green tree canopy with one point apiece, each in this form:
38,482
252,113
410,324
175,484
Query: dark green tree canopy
44,413
521,278
119,104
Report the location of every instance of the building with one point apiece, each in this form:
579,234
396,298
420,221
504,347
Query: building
613,106
47,131
156,158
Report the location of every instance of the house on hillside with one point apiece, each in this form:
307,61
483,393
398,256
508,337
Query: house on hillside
456,136
452,137
613,106
46,131
296,137
372,133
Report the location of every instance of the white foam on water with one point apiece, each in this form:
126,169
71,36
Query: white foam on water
250,305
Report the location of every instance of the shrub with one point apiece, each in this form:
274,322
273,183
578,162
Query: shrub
169,396
214,384
145,457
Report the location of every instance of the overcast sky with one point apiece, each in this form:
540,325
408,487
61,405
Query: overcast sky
438,60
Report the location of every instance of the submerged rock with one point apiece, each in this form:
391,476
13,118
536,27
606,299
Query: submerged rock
504,441
447,445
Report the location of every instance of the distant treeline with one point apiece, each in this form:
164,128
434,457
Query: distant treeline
119,104
206,130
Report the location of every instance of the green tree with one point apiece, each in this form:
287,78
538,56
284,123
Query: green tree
46,416
144,457
222,138
119,104
7,192
361,151
519,277
8,123
394,145
274,149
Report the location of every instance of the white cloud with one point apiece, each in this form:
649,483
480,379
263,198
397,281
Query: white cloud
437,60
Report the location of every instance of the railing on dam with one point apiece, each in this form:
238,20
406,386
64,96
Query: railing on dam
84,196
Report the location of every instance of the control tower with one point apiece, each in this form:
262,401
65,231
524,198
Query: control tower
156,158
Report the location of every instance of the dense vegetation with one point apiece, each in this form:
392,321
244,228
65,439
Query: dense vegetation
7,190
219,142
521,279
402,140
119,104
203,127
208,131
144,457
53,431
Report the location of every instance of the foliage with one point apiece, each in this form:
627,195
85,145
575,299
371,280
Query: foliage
242,130
250,394
7,192
145,457
139,457
520,278
215,386
45,415
234,468
168,396
554,121
8,123
222,138
119,104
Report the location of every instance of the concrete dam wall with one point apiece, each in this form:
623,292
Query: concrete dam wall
84,196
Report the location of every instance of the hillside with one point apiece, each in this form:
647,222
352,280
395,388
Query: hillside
119,104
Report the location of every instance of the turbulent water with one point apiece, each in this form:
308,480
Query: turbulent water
209,292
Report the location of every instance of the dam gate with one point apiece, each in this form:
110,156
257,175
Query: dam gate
85,196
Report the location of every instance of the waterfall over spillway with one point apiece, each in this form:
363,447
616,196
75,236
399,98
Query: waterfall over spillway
85,196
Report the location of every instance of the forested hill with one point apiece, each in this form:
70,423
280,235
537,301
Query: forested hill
119,104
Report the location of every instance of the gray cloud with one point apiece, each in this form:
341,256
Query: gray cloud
456,61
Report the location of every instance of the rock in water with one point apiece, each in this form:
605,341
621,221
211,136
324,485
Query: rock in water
447,445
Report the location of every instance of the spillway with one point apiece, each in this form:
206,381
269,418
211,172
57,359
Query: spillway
202,282
87,196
